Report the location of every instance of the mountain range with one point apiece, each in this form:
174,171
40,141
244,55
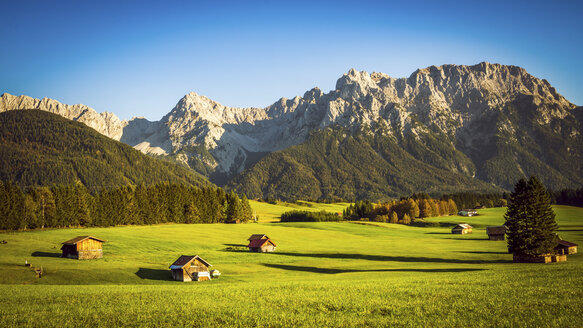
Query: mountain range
442,129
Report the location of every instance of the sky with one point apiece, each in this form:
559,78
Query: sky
138,58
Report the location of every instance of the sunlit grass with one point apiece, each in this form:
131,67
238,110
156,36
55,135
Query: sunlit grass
322,274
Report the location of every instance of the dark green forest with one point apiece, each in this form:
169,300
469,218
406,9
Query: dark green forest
62,206
39,148
334,165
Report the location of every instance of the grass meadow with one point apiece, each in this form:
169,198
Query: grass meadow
322,274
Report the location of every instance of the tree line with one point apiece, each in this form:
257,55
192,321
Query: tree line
307,216
402,211
573,197
63,206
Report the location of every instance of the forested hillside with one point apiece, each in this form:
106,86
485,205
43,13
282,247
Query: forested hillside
38,148
73,206
334,164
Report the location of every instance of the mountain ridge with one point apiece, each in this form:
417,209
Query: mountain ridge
465,119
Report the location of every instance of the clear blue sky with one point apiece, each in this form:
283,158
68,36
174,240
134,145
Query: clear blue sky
138,58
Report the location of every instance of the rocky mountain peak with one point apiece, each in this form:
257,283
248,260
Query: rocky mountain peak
355,84
105,123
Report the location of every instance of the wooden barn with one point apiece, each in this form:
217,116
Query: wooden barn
467,212
261,245
496,232
190,268
83,248
257,236
566,247
462,229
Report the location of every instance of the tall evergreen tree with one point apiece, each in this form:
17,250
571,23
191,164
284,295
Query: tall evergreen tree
530,219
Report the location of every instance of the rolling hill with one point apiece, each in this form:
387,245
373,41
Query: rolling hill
39,148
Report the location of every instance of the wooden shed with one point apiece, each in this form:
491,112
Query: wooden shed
257,236
566,247
496,232
83,248
190,268
462,228
261,245
467,212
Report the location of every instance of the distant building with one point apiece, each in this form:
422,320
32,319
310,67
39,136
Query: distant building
462,228
467,212
83,248
496,232
261,245
190,268
566,247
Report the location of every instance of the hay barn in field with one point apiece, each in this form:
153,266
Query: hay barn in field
190,268
496,232
566,247
467,212
261,245
83,248
462,229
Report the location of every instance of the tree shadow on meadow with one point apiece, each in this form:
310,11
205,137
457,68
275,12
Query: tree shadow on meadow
154,274
236,248
45,254
389,258
483,252
467,238
335,271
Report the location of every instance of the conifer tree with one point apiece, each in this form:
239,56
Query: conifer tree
530,220
406,219
247,211
393,218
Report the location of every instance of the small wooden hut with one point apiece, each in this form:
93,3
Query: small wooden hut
261,245
547,258
496,232
257,236
83,248
467,212
566,247
462,228
190,268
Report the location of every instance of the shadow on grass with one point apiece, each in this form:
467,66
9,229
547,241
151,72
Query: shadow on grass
468,238
154,274
388,258
335,271
438,233
235,245
483,252
45,254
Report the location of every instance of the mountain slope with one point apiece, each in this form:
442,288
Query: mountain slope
41,148
334,164
488,122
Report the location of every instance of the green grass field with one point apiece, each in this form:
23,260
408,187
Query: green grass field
322,274
270,212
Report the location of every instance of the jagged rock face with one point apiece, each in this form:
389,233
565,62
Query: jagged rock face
459,118
105,123
449,99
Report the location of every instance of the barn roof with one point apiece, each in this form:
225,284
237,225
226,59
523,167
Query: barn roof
185,259
257,236
496,230
566,243
80,239
463,226
259,242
